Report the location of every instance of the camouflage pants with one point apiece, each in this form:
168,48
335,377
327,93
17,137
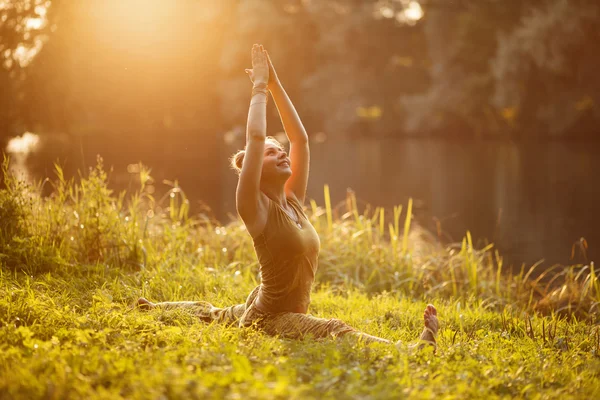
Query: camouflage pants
284,324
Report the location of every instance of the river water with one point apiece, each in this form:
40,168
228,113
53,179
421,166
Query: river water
537,201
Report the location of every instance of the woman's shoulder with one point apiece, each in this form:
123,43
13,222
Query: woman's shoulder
255,224
292,199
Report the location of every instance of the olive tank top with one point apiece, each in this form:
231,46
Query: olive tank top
287,254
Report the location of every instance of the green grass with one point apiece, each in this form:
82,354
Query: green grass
71,264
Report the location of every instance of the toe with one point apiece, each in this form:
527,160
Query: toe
428,320
144,304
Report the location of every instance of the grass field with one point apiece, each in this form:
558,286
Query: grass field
73,263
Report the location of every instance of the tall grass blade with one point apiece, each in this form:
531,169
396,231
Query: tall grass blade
407,221
328,209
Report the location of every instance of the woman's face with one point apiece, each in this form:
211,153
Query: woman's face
276,163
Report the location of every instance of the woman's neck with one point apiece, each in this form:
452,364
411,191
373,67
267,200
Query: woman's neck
276,194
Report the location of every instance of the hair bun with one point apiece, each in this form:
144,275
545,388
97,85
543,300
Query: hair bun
237,160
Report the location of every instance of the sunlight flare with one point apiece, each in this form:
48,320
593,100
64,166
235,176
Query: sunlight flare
24,144
34,23
414,11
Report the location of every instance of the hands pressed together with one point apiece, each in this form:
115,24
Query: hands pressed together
262,72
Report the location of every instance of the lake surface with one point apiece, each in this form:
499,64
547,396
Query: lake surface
532,201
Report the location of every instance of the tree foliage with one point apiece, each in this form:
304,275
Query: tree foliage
99,69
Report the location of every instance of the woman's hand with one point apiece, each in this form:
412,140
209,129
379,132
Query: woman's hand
273,78
259,74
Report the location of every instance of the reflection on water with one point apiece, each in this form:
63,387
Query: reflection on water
533,201
19,149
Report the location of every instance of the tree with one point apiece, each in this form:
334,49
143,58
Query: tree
23,32
545,71
121,68
521,70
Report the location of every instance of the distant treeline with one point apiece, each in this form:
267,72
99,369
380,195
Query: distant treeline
122,68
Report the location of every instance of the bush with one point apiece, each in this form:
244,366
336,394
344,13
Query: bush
83,225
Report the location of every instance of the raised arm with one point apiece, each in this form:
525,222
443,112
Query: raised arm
299,150
251,204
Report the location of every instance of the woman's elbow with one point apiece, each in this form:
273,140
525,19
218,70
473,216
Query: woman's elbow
302,139
256,134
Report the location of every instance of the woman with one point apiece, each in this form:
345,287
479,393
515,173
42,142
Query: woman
269,198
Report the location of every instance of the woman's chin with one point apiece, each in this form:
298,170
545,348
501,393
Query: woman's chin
286,173
284,170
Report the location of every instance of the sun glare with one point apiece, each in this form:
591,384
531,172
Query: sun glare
34,23
386,12
24,144
41,10
414,11
410,14
24,54
139,16
407,12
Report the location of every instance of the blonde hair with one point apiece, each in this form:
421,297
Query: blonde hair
237,160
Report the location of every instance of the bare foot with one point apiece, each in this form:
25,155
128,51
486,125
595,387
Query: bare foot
431,327
144,304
